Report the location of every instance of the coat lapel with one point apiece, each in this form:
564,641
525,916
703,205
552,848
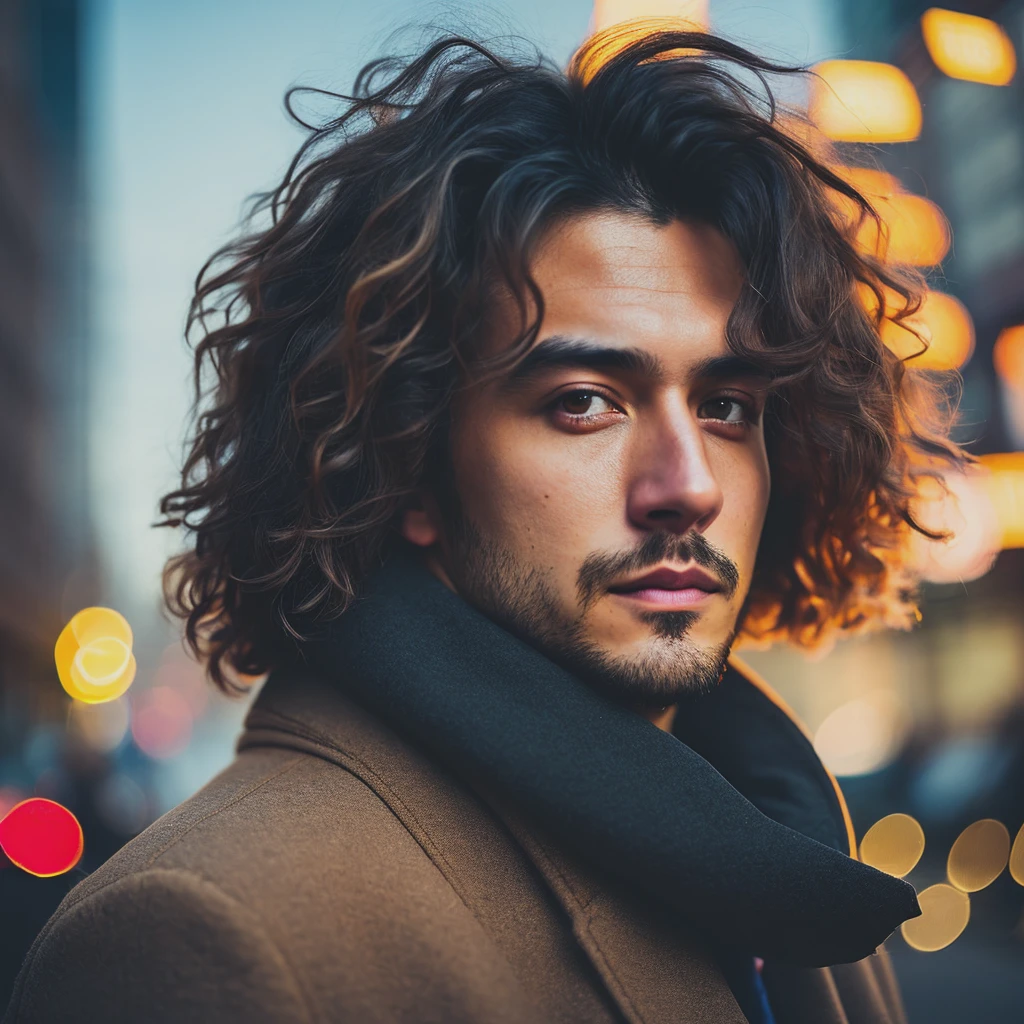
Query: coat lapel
655,972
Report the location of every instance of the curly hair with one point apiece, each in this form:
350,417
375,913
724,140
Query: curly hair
334,336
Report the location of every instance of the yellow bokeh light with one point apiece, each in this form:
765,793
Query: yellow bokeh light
100,662
945,912
93,655
1017,858
614,12
894,844
864,101
968,47
978,856
1005,486
1008,356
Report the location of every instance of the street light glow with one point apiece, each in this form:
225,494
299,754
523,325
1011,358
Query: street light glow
864,101
968,47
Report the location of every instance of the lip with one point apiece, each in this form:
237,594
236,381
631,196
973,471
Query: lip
669,589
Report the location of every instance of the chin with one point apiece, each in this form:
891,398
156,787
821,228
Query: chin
658,672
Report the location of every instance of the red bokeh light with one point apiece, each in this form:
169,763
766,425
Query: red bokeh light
41,837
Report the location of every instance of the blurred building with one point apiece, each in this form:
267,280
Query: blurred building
45,537
970,160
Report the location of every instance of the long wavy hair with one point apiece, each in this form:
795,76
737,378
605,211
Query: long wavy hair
330,338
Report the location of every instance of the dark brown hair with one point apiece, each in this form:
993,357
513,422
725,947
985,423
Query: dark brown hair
331,340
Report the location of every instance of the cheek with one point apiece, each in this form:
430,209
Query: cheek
531,493
745,490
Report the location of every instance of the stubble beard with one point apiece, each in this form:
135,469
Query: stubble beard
522,599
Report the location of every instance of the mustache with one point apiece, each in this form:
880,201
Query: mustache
599,570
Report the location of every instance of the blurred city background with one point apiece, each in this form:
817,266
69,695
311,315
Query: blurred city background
131,134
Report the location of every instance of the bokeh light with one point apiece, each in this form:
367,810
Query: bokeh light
41,837
161,722
894,844
1005,486
978,856
1008,356
914,231
945,912
959,505
864,101
94,656
614,12
863,734
1016,862
968,47
938,336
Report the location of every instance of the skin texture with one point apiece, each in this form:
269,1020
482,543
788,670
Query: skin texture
581,477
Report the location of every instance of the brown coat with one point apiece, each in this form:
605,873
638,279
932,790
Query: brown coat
333,873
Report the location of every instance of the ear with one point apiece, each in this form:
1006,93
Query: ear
421,521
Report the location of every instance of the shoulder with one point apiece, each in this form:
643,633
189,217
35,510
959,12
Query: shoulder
156,945
289,880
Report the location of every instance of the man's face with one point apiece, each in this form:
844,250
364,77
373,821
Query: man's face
611,489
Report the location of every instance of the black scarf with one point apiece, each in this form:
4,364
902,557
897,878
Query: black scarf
757,870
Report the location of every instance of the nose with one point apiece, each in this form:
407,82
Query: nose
673,486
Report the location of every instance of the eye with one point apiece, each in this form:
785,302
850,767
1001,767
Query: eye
727,410
584,404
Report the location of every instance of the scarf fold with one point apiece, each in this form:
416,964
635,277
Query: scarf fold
625,796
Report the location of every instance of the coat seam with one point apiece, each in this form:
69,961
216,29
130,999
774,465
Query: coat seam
586,918
223,807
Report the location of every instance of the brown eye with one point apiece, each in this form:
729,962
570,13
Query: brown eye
728,410
579,403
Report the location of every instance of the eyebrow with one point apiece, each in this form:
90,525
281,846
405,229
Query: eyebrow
559,352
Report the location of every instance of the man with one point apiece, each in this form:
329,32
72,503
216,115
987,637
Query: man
539,390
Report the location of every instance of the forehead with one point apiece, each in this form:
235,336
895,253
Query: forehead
619,278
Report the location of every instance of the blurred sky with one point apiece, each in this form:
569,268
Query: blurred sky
184,120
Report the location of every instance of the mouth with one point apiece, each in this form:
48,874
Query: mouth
667,589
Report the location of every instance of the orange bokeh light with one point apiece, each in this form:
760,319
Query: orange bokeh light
41,837
864,101
614,12
942,322
1008,356
968,47
1005,486
913,230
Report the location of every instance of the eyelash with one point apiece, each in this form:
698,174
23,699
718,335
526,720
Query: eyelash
750,414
